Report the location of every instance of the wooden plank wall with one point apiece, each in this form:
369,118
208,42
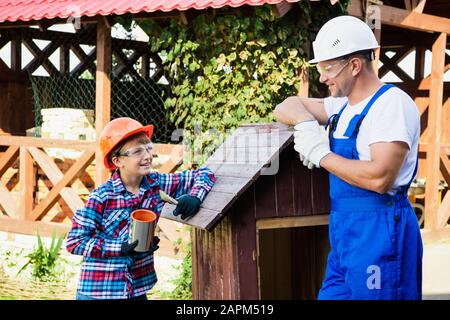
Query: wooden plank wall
213,270
293,191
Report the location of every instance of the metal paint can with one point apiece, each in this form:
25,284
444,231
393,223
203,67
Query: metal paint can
143,223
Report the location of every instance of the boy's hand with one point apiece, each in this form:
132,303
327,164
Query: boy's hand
187,206
127,249
154,246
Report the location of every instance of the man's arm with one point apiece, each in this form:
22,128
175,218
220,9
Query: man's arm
296,109
376,175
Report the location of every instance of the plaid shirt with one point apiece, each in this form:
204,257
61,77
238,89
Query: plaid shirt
100,228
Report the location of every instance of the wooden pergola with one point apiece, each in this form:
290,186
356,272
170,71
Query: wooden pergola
406,26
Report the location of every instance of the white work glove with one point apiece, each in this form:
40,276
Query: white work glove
306,162
311,141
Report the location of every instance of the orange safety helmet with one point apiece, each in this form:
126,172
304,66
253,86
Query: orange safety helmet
118,130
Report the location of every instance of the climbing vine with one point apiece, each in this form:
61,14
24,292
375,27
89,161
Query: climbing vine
233,67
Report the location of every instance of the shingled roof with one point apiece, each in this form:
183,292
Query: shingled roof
252,150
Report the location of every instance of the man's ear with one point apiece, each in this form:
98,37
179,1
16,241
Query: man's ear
356,65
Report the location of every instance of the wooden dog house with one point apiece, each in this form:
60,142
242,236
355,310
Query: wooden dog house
261,232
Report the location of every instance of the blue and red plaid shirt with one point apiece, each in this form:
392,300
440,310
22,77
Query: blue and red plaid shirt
100,228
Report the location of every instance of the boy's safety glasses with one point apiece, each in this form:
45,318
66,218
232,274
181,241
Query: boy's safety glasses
137,152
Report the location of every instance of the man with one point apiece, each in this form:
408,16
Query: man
371,155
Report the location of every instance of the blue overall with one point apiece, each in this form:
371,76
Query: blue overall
376,246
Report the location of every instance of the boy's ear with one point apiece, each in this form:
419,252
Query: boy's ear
116,161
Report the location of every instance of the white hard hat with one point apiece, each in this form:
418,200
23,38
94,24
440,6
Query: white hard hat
340,36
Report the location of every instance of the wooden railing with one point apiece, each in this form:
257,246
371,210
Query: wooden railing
23,212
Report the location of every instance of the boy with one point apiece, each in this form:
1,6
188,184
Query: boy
111,268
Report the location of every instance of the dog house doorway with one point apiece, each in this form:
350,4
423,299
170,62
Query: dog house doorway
292,261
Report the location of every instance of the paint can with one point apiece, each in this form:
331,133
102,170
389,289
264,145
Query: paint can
143,224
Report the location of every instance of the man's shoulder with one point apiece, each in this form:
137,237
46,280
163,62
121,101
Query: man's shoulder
396,99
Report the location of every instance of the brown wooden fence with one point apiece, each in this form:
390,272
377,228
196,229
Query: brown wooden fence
23,211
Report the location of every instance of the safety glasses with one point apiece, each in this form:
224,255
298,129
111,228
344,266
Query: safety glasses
329,71
137,152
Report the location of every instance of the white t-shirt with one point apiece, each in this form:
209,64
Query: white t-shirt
393,117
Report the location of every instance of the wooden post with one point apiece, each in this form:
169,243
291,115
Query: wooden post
64,63
102,93
434,124
376,62
145,66
16,55
26,183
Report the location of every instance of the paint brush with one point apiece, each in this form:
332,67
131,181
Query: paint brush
165,197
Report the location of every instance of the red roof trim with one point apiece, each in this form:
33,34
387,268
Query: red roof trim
26,10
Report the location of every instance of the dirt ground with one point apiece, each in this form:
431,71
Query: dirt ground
436,267
436,275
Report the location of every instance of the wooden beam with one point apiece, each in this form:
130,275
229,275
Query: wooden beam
434,125
86,60
41,57
292,222
176,153
425,83
413,20
16,55
445,147
408,5
444,208
45,143
390,65
282,8
102,93
55,175
419,63
8,158
446,122
30,227
182,18
26,183
445,167
7,201
71,175
64,59
145,66
402,18
444,211
418,5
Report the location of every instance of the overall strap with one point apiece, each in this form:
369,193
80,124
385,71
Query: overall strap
333,120
404,188
355,123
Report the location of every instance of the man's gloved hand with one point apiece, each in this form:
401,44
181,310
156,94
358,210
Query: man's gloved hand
306,162
127,249
311,141
187,206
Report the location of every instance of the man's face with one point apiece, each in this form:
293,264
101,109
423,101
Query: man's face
336,75
135,156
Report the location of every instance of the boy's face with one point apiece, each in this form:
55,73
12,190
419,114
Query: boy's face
135,156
